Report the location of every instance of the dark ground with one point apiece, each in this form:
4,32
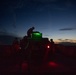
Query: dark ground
58,63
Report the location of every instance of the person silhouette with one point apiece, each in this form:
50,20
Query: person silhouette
52,50
29,32
23,42
51,40
16,44
52,44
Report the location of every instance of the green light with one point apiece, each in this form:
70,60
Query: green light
36,36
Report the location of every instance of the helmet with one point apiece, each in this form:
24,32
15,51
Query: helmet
33,27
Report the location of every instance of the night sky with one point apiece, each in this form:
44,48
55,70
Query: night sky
56,19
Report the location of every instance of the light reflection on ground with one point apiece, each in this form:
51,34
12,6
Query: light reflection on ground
53,64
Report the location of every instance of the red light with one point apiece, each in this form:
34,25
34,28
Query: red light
48,46
53,64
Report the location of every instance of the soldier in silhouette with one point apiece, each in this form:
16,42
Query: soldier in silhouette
29,32
15,48
51,41
16,44
23,42
52,50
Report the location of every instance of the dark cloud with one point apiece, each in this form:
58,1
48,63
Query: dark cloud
67,29
67,43
7,39
67,40
7,33
60,39
3,30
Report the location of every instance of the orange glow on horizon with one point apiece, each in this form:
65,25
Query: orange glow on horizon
58,41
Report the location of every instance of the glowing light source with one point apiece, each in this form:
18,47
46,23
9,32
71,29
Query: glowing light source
48,46
36,36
